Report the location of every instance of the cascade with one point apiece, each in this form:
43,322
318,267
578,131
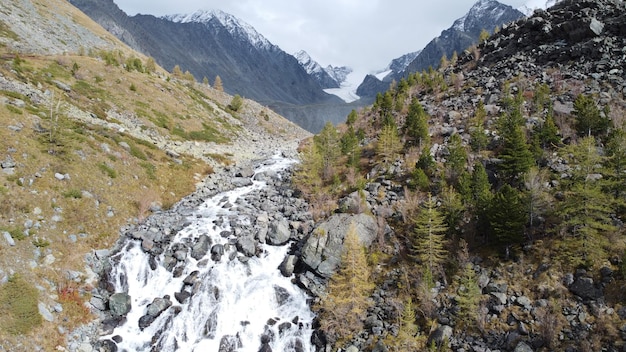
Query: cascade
220,301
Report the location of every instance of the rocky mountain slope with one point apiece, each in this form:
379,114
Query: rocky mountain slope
434,174
94,136
217,44
464,32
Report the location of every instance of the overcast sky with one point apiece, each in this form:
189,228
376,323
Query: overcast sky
363,34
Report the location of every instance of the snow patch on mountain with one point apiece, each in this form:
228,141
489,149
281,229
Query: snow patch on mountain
465,24
310,66
235,26
347,89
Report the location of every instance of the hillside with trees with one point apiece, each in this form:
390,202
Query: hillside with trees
497,183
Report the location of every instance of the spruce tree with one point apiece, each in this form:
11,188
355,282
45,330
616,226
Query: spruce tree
589,119
516,156
350,147
416,126
428,243
456,159
507,216
344,306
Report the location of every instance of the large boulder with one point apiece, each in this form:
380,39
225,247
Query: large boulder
322,250
279,233
119,304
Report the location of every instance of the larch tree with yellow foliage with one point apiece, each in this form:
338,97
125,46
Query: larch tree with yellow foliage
343,309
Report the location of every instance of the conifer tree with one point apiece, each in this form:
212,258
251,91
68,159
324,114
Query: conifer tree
480,198
452,207
328,145
351,119
587,207
350,147
548,132
508,215
342,309
408,338
478,138
177,72
589,119
516,156
308,175
386,108
429,241
389,144
456,159
468,298
217,84
416,126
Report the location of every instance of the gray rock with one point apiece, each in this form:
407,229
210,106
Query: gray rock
522,347
8,238
158,306
62,86
201,247
119,304
322,250
278,233
596,26
441,334
44,312
584,288
288,265
246,245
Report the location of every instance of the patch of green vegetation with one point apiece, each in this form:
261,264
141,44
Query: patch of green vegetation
14,109
150,170
73,193
41,243
137,152
109,171
84,88
209,134
16,233
14,95
3,190
200,98
111,58
6,32
220,158
142,104
54,70
18,306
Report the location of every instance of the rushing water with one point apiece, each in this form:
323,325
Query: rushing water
235,305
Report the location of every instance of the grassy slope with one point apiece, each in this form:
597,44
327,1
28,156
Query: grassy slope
110,134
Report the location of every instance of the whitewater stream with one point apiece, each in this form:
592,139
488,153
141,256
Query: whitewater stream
234,304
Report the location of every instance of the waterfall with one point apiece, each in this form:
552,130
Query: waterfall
220,301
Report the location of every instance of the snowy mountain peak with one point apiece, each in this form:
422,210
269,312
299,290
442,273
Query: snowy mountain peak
310,66
230,22
481,9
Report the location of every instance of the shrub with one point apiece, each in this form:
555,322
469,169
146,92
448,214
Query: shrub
109,171
18,306
73,193
236,103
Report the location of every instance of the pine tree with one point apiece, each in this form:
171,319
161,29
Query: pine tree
177,72
343,308
548,132
452,207
416,126
350,147
507,216
389,144
428,243
386,109
328,145
217,84
351,119
456,159
587,207
478,138
308,175
516,156
589,119
408,338
468,298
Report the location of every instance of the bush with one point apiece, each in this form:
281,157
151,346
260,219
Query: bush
236,103
18,306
